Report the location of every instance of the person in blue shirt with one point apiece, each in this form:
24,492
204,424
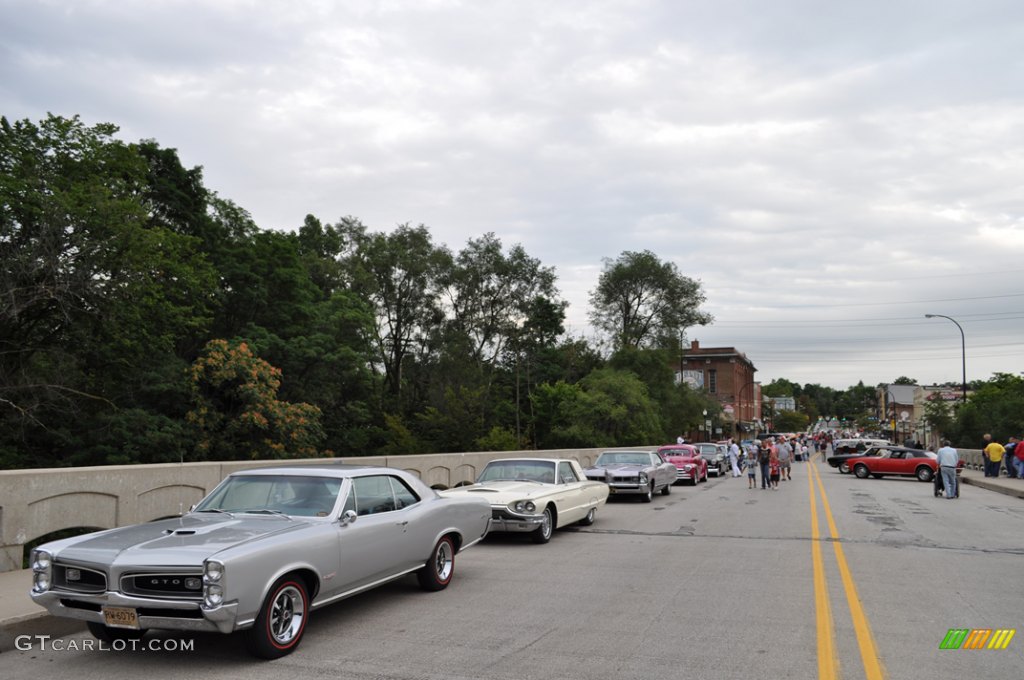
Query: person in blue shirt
948,458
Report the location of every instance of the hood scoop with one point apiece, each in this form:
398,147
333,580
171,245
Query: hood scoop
180,532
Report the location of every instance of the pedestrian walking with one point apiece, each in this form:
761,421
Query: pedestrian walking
785,456
734,458
764,456
774,468
947,459
751,465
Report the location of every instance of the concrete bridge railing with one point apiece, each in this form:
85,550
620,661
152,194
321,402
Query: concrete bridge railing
37,502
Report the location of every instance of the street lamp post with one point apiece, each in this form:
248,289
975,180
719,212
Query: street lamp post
963,348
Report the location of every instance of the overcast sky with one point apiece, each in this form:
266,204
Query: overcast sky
830,171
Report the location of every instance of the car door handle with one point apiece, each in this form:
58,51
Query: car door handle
401,524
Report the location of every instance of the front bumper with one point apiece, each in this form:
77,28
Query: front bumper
152,613
502,519
620,488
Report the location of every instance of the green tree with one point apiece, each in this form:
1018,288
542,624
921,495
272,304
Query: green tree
236,413
397,274
780,387
97,295
641,301
938,415
490,297
996,407
791,421
607,408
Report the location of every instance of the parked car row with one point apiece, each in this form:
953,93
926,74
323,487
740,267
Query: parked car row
268,546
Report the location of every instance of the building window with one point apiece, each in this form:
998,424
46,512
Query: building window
712,381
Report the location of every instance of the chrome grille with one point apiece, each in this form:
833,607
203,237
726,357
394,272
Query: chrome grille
79,579
177,586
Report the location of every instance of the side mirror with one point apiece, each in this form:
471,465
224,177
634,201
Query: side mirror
347,517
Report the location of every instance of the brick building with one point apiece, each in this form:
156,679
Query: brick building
727,375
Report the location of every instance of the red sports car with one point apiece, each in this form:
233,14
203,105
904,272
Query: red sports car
896,461
690,465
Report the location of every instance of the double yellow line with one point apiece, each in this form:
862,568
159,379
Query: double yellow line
828,661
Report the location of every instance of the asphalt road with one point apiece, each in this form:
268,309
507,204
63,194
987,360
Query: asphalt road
716,581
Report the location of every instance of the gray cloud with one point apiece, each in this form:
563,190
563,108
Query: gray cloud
814,169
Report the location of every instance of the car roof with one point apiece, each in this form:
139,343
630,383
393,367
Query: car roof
538,460
339,470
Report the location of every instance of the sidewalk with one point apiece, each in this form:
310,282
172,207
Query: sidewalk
1004,485
19,615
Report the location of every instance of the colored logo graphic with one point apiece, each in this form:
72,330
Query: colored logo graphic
977,638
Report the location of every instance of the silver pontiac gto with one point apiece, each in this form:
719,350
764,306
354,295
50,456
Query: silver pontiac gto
265,548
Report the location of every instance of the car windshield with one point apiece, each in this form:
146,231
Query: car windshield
519,470
274,494
623,458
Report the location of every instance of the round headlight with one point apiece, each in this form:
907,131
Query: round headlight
214,596
530,507
643,479
41,560
519,506
213,572
42,583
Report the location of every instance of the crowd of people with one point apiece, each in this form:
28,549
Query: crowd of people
772,457
999,456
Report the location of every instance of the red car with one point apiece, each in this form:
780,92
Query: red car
690,465
897,461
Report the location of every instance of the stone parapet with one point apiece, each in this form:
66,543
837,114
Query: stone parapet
37,502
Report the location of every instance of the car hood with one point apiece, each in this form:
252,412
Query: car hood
680,459
498,493
183,541
619,467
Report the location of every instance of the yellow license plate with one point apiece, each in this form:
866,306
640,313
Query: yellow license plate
121,617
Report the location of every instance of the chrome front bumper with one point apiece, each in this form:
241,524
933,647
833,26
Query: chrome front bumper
152,613
503,520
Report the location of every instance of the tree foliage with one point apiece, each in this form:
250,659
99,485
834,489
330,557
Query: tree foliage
641,301
236,412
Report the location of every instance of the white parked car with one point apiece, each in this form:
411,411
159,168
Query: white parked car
536,495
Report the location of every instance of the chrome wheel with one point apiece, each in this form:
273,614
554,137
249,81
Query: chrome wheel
844,468
278,628
542,534
437,572
287,615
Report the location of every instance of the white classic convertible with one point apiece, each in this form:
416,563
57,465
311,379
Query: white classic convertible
536,495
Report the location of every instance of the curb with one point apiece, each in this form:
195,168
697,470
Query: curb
983,483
